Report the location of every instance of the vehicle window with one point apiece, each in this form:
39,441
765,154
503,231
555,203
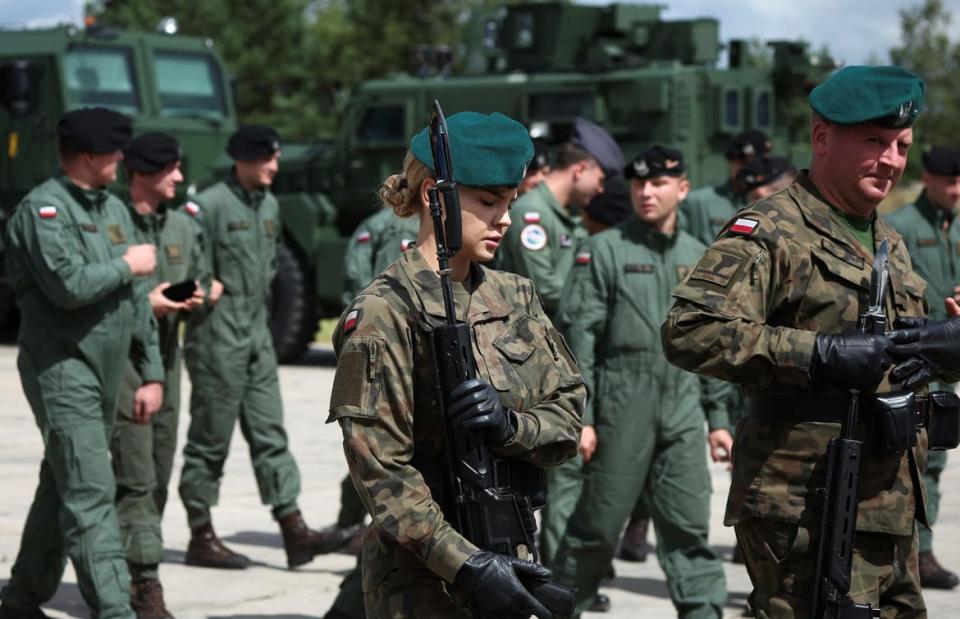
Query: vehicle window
763,110
188,84
101,76
561,105
382,123
731,109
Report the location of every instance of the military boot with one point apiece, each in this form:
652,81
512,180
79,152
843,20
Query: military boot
601,604
935,576
9,612
146,599
634,546
206,550
302,543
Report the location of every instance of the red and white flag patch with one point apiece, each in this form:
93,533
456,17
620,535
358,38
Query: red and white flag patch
531,218
744,226
192,208
583,258
350,322
363,236
47,212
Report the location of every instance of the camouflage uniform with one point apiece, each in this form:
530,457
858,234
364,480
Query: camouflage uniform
749,313
706,210
932,236
384,398
648,417
541,243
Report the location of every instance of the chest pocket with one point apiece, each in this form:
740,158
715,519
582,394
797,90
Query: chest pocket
513,368
909,295
837,286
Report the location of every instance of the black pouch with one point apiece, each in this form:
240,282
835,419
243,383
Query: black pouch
893,421
943,425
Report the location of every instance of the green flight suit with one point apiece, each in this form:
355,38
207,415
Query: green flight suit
648,416
932,236
540,243
377,242
82,317
230,357
143,453
705,211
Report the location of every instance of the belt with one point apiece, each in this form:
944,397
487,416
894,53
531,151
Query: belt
803,408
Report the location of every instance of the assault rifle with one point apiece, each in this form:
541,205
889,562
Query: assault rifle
838,520
490,501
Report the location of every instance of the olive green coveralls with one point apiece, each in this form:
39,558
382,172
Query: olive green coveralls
82,317
143,453
230,357
932,236
648,415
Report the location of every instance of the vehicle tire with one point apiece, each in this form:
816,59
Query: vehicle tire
293,320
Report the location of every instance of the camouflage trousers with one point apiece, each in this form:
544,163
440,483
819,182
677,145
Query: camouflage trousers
402,597
781,560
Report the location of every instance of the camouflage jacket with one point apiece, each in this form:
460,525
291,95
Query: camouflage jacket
707,210
785,269
612,307
384,396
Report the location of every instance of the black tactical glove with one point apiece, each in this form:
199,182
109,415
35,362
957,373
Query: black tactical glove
475,405
850,360
497,585
926,350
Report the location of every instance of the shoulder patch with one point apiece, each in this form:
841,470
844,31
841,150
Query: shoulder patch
192,208
582,258
363,236
744,225
351,321
531,218
533,237
47,212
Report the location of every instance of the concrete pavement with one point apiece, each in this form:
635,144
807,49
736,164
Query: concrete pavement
268,589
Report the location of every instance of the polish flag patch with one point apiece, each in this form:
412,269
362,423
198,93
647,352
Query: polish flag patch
192,208
583,258
744,225
350,322
531,218
363,236
47,212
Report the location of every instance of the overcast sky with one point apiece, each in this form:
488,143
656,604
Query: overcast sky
852,29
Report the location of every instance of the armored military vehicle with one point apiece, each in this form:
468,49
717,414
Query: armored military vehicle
645,79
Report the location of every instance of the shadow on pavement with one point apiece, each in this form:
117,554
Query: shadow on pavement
644,586
177,556
259,616
255,538
67,600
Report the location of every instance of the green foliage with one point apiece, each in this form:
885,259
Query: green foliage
927,50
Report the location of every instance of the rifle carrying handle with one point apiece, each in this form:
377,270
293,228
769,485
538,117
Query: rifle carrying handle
559,599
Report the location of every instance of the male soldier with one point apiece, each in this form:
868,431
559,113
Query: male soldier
645,419
932,234
231,360
72,264
707,209
761,177
543,238
377,242
143,449
773,305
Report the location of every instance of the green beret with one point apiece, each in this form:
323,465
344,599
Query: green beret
487,151
890,96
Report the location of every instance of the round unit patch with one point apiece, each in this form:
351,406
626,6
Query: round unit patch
533,237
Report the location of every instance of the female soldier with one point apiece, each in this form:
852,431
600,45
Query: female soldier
527,399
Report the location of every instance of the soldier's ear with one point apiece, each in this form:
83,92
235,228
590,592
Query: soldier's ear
424,193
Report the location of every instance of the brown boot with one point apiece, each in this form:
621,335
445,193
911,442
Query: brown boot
634,546
146,599
206,550
935,576
302,543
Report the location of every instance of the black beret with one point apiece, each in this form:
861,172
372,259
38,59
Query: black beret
749,144
94,130
942,161
655,161
251,142
151,152
763,171
594,139
613,205
541,157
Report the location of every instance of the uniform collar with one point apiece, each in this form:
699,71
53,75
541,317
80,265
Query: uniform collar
88,198
655,240
932,213
486,302
151,220
821,215
250,198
